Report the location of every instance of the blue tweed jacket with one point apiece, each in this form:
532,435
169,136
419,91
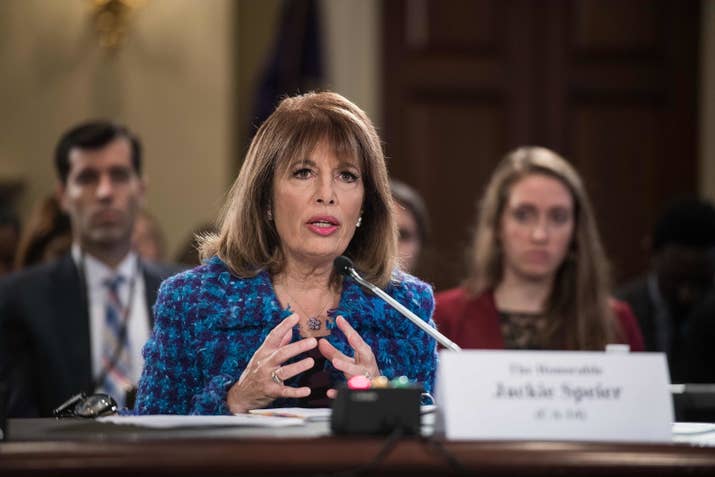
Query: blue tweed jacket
208,324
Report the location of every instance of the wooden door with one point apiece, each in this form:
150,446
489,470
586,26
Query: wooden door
609,84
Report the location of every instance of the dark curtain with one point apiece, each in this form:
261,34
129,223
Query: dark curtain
295,63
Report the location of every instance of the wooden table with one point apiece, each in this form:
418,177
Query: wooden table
50,447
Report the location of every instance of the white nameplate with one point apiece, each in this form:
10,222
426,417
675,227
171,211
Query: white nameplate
554,395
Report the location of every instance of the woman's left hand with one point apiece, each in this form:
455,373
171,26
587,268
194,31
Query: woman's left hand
362,363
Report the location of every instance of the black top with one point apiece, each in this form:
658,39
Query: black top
522,330
317,379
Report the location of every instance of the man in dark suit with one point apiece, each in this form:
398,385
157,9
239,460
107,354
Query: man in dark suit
79,323
681,276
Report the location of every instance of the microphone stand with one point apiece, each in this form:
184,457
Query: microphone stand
441,339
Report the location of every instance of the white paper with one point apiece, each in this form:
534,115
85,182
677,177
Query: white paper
172,421
553,395
693,428
308,414
695,433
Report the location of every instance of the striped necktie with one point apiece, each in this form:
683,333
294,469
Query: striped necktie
116,359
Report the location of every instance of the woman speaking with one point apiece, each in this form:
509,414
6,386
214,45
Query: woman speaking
266,321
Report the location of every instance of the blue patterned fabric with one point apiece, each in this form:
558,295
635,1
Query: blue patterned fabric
208,324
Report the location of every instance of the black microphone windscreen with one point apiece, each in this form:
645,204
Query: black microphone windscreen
343,265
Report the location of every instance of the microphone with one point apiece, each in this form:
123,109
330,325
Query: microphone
344,266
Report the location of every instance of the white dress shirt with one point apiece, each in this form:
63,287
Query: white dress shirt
138,327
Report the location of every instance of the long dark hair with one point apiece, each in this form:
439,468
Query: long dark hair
578,305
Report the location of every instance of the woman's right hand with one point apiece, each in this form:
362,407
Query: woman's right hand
256,388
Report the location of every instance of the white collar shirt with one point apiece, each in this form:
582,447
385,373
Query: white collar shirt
131,288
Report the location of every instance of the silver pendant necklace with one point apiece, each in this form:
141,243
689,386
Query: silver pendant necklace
314,322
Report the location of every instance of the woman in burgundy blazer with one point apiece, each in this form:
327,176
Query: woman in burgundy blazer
473,322
538,276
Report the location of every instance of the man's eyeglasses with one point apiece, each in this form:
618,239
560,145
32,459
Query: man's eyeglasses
81,405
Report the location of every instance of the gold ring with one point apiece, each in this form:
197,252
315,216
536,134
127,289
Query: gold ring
275,378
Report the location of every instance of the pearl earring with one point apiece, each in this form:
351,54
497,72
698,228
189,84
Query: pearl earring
359,221
269,214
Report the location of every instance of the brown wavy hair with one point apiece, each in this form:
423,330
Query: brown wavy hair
247,240
580,317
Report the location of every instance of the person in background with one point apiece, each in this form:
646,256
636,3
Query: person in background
538,273
681,275
266,320
9,237
79,323
697,361
412,224
188,253
148,239
47,235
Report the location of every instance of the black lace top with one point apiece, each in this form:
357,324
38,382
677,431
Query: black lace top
522,330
